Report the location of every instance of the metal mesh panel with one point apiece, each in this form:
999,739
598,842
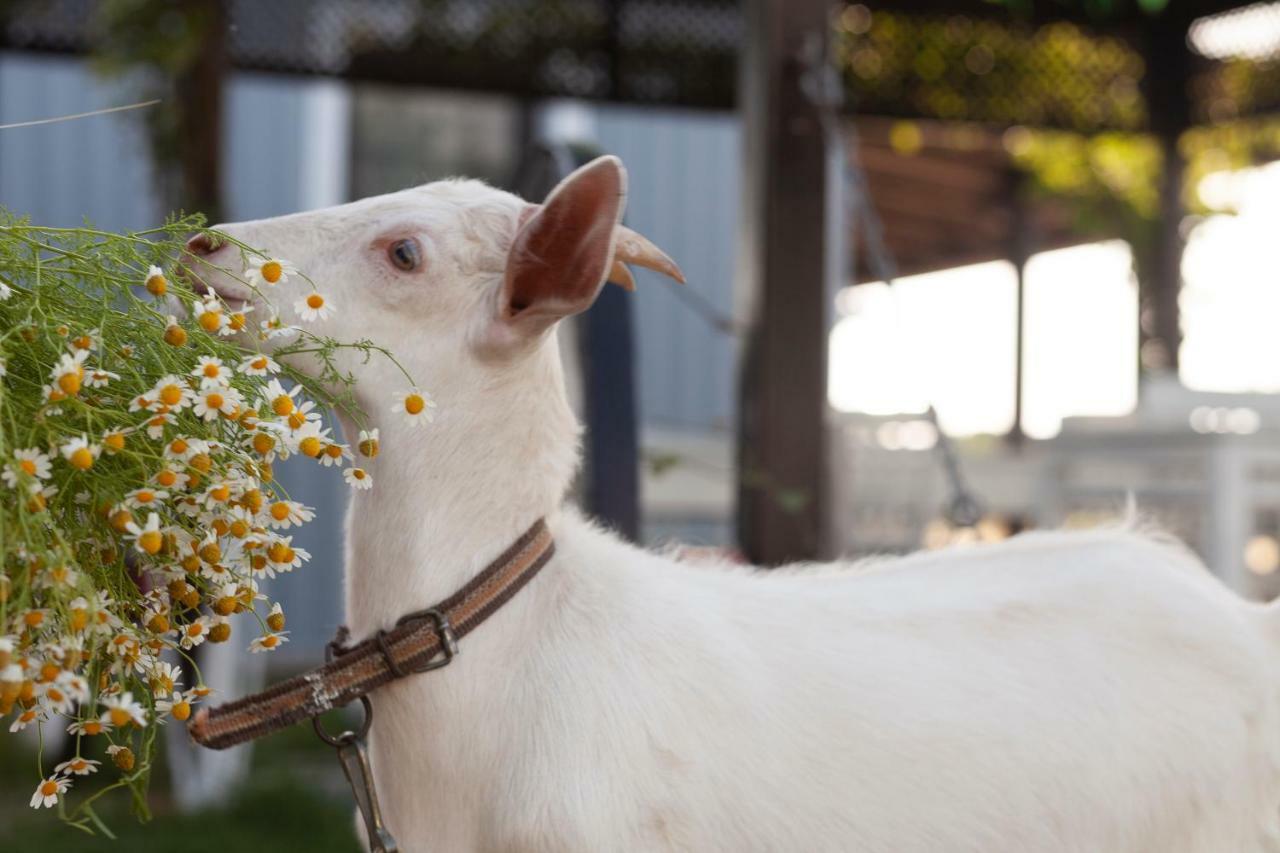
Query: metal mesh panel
961,60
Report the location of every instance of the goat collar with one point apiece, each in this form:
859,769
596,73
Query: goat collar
409,648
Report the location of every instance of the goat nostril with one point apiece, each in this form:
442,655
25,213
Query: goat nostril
202,244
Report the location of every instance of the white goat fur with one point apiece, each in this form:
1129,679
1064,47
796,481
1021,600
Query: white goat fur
1087,692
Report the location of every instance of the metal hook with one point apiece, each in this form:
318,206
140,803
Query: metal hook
355,766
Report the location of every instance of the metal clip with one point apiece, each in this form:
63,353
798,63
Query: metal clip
355,765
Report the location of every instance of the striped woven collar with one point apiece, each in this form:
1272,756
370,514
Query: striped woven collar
419,642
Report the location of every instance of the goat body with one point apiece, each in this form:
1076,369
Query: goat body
1090,692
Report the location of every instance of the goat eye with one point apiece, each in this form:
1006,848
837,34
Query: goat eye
405,254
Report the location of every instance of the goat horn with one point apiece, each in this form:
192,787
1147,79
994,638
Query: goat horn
621,276
634,249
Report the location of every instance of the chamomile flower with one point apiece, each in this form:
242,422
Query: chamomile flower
29,461
266,272
88,728
195,632
177,705
5,291
155,424
368,443
333,454
259,365
275,327
214,400
170,394
358,478
268,642
209,315
34,714
155,283
211,371
278,400
80,453
48,792
122,710
314,306
145,497
286,514
68,373
148,540
99,378
88,342
238,320
77,766
416,406
283,557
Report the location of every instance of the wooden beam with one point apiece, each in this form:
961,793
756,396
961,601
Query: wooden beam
782,461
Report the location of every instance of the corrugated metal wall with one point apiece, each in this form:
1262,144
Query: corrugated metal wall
684,188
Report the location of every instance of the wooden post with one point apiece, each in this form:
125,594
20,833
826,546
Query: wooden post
782,453
1169,107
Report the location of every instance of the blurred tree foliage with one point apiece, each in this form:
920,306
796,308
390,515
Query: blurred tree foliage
174,50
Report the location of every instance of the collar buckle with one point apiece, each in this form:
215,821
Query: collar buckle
448,640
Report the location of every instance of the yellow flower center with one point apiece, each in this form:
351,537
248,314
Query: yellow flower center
214,400
195,629
114,441
48,788
296,420
171,395
258,364
358,473
414,404
156,285
33,618
55,394
28,466
210,552
166,478
220,492
315,300
201,462
79,619
120,520
310,446
282,405
93,727
69,383
212,371
48,672
280,511
177,446
119,717
263,443
150,541
145,497
271,271
239,528
210,321
54,694
82,342
181,710
81,458
175,336
333,451
280,553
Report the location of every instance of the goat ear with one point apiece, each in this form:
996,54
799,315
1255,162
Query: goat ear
563,252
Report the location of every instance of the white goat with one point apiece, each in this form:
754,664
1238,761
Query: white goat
1082,692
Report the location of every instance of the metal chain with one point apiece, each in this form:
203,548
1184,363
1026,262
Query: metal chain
822,85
